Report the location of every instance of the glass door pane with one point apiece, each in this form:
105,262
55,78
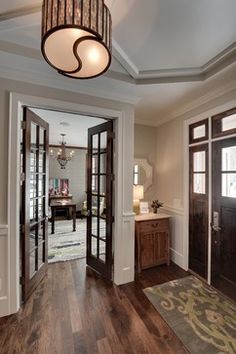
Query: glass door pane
34,208
99,198
223,250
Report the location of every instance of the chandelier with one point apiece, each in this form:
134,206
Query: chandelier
76,37
61,157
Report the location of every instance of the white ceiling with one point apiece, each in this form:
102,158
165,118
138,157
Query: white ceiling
76,132
167,34
166,53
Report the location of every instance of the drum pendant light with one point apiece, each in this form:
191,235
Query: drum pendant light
76,37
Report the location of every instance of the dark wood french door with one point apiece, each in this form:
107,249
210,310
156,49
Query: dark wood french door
99,199
198,209
34,201
223,262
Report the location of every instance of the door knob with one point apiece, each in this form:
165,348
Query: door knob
215,224
216,228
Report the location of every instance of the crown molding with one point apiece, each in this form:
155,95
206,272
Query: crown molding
227,91
220,61
44,79
23,51
119,76
212,67
124,60
150,77
227,52
165,73
204,99
21,11
169,79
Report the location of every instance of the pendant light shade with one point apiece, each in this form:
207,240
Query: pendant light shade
76,37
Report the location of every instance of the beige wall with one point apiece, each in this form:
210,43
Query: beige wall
169,163
75,171
145,147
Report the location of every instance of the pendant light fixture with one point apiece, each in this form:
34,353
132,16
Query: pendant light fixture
76,37
62,158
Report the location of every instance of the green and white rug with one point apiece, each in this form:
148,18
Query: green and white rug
65,244
203,319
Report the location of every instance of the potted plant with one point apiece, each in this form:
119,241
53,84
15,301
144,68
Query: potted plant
156,204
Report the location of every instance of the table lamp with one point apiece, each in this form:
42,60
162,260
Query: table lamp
138,193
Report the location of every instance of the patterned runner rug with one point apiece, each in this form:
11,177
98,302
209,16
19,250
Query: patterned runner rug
203,319
65,244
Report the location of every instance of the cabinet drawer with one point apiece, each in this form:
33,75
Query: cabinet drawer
154,225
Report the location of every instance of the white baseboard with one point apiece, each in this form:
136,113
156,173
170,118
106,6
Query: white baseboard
177,258
4,306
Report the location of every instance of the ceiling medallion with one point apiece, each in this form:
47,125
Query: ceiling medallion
76,37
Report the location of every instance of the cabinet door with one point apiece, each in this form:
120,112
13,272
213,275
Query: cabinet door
147,250
161,247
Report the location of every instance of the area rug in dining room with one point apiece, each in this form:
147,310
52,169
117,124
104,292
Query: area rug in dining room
65,245
203,319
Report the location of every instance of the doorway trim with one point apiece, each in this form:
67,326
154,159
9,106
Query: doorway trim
207,114
124,216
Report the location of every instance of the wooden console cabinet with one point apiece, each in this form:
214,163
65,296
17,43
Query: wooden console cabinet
152,240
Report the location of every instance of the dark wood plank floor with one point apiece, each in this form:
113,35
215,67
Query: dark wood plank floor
75,311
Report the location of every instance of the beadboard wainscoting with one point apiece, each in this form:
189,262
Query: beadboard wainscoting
176,231
4,298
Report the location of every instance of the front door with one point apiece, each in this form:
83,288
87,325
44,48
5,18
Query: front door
99,199
34,201
224,215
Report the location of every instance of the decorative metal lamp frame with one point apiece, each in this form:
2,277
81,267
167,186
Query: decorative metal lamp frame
76,37
61,157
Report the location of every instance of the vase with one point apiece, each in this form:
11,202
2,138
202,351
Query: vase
155,210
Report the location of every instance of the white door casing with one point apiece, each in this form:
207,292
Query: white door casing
123,168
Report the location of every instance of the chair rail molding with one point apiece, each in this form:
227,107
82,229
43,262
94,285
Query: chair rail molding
3,230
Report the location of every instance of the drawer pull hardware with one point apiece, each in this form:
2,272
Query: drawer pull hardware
155,225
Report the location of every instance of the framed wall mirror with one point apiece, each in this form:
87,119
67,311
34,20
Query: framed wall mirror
143,173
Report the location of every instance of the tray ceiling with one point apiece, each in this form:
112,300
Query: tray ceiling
164,51
151,39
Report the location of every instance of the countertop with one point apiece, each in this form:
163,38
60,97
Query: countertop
151,216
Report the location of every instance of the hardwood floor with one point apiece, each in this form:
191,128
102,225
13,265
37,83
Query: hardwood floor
74,311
